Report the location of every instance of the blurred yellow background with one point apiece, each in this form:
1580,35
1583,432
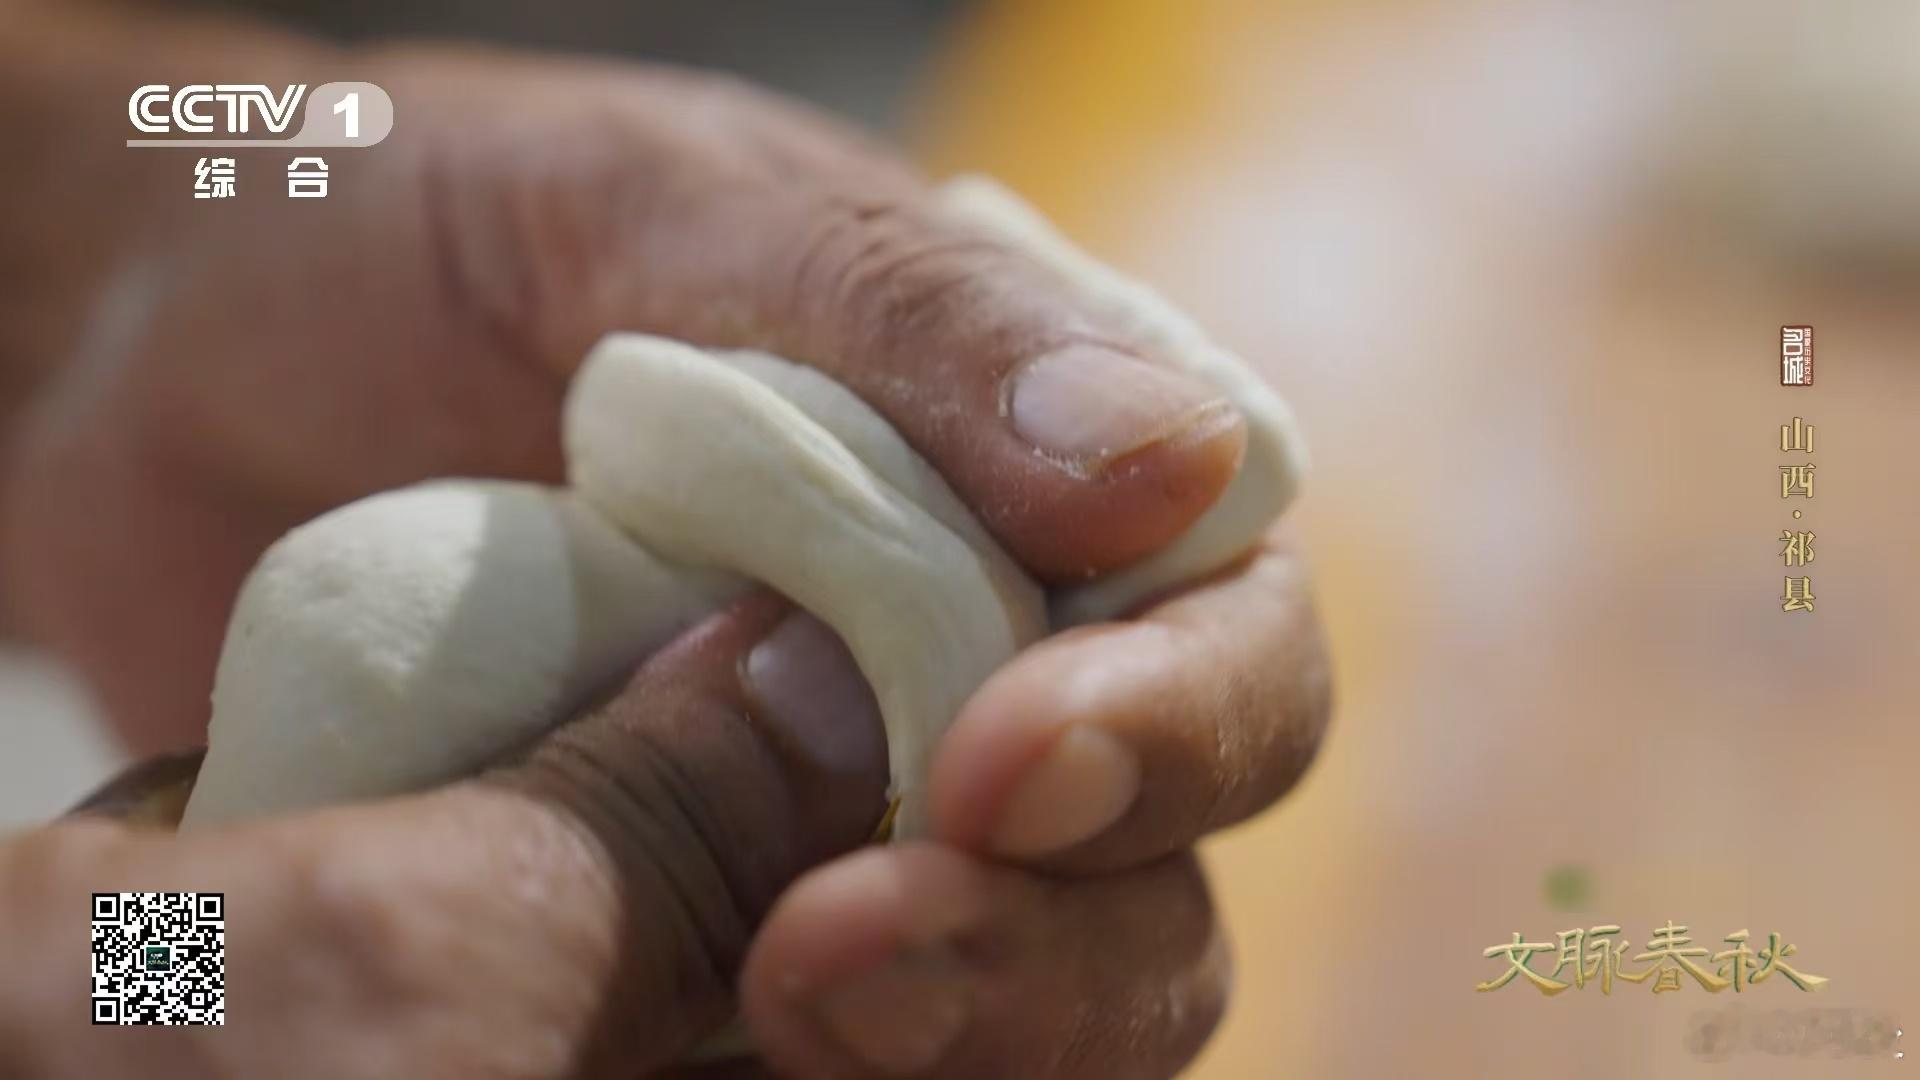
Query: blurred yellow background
1521,269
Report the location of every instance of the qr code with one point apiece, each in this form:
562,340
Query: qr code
159,958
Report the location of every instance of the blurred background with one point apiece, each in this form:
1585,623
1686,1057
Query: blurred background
1521,269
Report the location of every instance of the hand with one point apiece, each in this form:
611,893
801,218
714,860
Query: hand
248,369
1092,763
581,911
239,372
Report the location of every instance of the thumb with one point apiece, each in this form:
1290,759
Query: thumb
737,758
1073,443
1050,414
582,911
723,217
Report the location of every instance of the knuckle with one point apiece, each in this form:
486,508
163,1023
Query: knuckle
1199,1015
509,231
1263,750
683,853
882,272
1153,1019
1187,1008
328,898
476,275
1296,727
1211,986
1270,718
1303,713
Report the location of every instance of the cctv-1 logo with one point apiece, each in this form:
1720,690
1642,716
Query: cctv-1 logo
159,109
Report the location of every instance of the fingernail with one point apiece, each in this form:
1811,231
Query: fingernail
1084,783
900,1019
1093,404
806,681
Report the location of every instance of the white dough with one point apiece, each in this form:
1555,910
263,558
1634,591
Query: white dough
410,638
759,487
413,637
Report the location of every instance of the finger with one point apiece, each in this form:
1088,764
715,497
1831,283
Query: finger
1114,745
585,908
746,752
921,961
46,878
1079,449
149,792
713,215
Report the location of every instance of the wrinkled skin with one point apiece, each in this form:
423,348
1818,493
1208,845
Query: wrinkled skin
601,903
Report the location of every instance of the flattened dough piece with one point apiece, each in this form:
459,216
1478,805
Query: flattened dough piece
761,489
